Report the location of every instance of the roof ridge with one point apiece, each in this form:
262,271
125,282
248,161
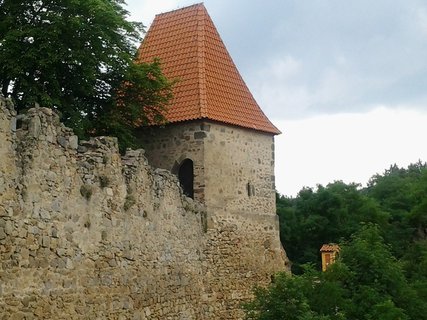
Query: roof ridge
201,60
200,4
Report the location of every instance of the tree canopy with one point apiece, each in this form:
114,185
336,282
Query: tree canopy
366,283
381,272
395,200
329,214
77,57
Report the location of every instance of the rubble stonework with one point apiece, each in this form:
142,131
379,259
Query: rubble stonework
88,234
233,166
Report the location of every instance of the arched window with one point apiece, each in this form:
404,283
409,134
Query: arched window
186,177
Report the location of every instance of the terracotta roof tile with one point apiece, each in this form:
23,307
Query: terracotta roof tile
209,84
331,247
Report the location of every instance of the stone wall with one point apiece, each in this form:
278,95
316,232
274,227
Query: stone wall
168,146
88,234
8,169
239,170
233,166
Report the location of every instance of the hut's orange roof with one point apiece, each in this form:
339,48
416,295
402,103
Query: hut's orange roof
209,85
331,247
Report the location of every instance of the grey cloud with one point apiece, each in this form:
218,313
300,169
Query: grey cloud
352,55
304,58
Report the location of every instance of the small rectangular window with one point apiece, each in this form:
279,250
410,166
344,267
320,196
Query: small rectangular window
250,189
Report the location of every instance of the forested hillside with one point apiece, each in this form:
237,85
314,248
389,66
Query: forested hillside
381,272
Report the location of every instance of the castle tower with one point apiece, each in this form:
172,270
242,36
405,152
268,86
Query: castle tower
217,140
79,223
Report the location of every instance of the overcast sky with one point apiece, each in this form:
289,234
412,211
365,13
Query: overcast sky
345,81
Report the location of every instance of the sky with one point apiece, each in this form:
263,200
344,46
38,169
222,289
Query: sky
345,81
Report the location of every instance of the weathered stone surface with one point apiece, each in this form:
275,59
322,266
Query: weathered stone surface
74,142
68,255
34,127
233,166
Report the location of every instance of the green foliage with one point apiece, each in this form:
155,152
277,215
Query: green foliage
366,283
382,230
76,56
377,280
395,200
328,215
284,299
401,192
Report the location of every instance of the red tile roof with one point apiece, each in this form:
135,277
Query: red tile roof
331,247
209,84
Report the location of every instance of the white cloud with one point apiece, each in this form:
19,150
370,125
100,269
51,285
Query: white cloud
276,89
283,90
284,69
422,20
334,86
348,147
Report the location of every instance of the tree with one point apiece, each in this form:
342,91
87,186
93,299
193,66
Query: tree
366,283
284,299
401,192
76,56
382,269
325,215
379,287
